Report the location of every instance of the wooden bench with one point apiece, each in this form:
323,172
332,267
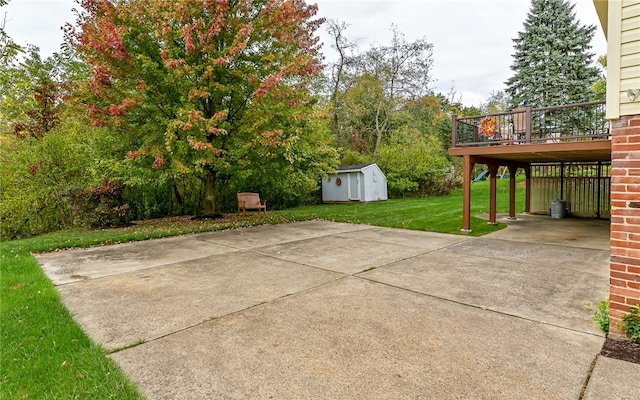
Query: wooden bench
250,201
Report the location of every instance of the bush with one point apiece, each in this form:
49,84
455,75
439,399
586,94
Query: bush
601,315
101,206
35,174
418,169
160,197
631,324
281,187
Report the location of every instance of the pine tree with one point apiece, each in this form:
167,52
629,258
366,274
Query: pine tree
552,62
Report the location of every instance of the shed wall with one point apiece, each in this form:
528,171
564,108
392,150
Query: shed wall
375,184
365,184
332,192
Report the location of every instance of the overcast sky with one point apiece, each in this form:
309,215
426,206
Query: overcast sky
472,38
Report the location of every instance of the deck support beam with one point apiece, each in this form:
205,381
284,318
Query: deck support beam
512,191
493,176
527,191
466,207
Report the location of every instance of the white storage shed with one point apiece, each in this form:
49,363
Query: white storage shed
364,182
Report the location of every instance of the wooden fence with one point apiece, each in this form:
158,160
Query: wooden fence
586,187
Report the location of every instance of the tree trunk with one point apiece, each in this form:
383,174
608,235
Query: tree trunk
381,126
210,194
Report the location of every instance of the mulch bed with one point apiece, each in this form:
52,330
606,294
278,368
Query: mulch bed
624,350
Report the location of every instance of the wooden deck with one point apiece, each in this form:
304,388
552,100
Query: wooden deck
524,136
523,154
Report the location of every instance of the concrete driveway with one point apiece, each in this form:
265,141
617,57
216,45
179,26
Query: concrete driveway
323,310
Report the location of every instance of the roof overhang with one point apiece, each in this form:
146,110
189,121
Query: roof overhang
602,8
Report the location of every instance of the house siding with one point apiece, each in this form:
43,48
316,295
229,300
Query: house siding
623,51
629,55
625,218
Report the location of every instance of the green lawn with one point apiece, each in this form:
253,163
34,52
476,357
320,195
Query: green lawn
46,355
434,214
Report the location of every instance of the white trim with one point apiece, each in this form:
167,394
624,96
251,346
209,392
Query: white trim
614,38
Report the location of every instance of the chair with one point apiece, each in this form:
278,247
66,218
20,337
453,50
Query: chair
250,201
519,124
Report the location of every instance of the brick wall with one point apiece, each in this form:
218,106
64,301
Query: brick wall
625,218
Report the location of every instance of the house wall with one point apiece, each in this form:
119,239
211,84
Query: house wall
621,21
623,56
625,218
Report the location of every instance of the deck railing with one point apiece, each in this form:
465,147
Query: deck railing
525,125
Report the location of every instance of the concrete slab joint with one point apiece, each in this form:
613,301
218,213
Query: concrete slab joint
330,310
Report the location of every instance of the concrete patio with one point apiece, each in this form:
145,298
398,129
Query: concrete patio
338,311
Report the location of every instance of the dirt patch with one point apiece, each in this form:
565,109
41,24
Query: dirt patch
624,350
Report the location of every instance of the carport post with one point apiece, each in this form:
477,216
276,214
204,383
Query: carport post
466,207
493,176
527,191
512,191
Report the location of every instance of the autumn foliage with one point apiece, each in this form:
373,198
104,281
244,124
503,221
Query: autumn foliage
200,84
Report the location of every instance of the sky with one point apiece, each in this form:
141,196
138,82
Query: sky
472,39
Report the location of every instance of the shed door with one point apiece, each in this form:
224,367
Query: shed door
354,186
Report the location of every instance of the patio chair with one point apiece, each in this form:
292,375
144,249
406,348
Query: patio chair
519,124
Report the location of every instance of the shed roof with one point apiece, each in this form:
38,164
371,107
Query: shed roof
352,167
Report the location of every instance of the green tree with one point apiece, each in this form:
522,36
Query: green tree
202,86
600,86
426,116
36,91
552,61
452,105
368,113
37,174
340,79
368,88
36,100
417,167
404,69
11,78
383,110
497,102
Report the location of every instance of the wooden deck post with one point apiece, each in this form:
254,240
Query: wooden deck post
512,191
528,124
527,189
493,177
454,130
466,207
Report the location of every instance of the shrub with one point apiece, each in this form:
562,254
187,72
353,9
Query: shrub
101,206
418,169
631,324
601,315
35,174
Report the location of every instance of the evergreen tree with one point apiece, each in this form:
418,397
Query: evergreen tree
552,62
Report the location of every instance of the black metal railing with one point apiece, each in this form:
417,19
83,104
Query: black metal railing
525,125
